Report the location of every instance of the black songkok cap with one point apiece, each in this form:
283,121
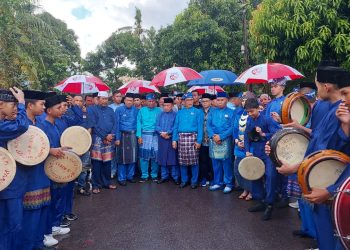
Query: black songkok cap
63,98
333,75
137,96
310,85
130,95
35,95
143,97
164,95
7,96
50,94
179,95
213,97
52,101
206,95
95,94
168,100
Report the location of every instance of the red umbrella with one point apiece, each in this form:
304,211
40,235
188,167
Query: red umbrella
174,75
82,84
264,73
138,86
206,89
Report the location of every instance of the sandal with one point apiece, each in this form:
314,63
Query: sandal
243,195
96,191
112,186
249,197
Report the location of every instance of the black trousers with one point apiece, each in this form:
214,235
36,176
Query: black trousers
205,164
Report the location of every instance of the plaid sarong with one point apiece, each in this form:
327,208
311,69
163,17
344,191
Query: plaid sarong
100,151
149,147
188,155
293,188
127,150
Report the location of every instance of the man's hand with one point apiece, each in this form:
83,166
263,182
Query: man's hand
163,134
83,109
109,137
267,148
293,124
248,154
343,113
117,142
174,144
287,169
197,145
57,152
240,144
139,140
216,138
318,195
18,94
276,117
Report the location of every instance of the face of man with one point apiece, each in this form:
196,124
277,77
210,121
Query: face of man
143,103
195,96
89,100
168,107
117,98
206,102
236,101
345,94
37,107
161,101
322,90
264,100
55,111
96,101
8,110
276,89
151,103
128,101
254,113
189,102
221,102
137,102
102,101
78,100
214,103
178,100
64,107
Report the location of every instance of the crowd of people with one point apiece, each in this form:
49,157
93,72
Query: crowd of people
193,140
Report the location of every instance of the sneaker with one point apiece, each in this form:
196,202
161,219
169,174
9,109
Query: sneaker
71,217
203,182
294,205
142,180
49,240
227,190
65,222
60,230
214,187
154,180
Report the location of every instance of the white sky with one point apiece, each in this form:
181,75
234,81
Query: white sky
93,21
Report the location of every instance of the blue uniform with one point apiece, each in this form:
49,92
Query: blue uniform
11,206
126,122
220,122
167,156
275,106
269,127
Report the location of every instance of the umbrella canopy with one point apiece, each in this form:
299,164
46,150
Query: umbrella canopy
214,77
206,89
264,73
82,84
138,86
174,75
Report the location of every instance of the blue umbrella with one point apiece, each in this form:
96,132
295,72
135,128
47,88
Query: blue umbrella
214,77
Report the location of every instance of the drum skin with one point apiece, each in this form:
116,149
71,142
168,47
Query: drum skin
292,150
77,138
318,158
251,168
287,107
7,169
341,213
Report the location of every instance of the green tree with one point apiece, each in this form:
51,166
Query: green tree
301,32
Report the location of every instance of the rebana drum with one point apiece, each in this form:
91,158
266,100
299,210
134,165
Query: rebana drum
321,169
296,107
77,138
251,168
7,168
289,145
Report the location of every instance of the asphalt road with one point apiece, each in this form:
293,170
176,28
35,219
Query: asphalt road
153,216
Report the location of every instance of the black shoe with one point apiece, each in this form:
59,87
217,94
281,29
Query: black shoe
132,181
283,203
71,217
142,180
83,192
122,183
194,186
301,234
162,181
65,223
259,207
177,183
182,185
268,213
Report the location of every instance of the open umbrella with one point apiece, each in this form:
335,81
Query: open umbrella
264,73
174,75
82,84
206,89
214,77
138,86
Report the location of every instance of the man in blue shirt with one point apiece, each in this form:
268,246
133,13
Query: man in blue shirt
125,140
187,137
220,127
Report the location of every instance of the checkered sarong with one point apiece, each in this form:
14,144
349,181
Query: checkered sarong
100,151
188,155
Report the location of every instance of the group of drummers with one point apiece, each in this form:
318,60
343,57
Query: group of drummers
291,146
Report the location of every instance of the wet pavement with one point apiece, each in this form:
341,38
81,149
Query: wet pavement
153,216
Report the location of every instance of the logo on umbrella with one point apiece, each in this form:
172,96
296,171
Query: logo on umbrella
217,79
174,76
256,71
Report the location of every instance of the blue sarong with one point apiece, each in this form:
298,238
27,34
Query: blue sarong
149,147
100,151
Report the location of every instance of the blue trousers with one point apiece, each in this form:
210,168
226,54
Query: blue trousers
243,183
11,214
69,198
222,172
266,194
144,168
173,170
307,219
58,205
101,174
126,171
34,227
324,228
82,179
282,183
194,171
114,166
